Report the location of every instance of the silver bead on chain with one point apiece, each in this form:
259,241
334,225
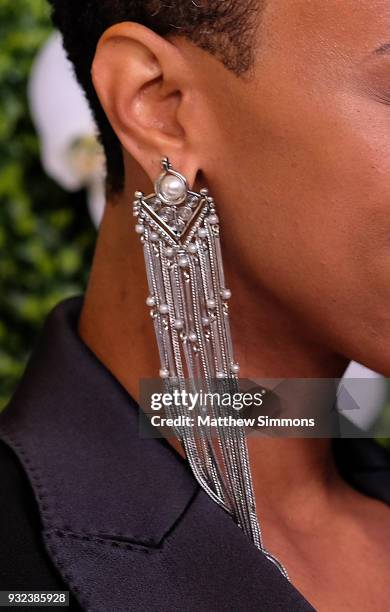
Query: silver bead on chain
179,230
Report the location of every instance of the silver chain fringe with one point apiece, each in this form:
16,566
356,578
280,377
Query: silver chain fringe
180,236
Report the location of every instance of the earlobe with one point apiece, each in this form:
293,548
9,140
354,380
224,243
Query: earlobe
135,76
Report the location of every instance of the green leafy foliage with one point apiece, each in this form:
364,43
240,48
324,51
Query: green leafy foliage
46,237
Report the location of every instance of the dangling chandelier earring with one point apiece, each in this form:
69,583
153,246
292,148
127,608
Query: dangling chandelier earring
179,231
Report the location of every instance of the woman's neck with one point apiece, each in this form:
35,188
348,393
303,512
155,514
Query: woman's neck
116,325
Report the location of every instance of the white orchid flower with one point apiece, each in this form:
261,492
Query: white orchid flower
369,390
70,151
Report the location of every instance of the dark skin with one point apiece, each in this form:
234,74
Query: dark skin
297,155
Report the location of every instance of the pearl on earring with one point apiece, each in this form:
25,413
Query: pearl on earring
171,188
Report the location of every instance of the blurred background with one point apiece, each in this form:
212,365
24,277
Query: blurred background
46,233
52,199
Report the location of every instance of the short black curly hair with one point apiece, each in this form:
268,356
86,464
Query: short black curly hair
225,28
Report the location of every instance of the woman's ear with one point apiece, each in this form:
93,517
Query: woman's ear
140,79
